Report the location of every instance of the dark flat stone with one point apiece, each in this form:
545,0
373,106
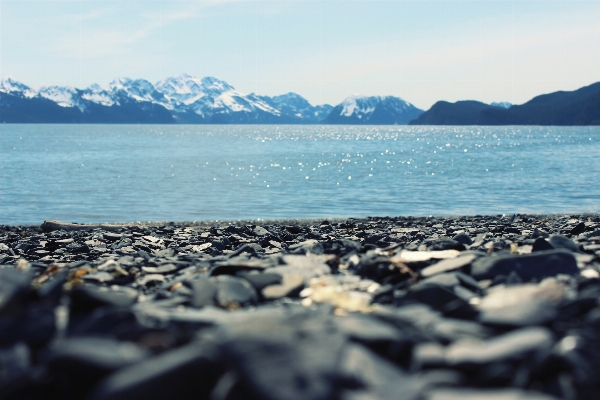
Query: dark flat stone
531,266
541,244
183,373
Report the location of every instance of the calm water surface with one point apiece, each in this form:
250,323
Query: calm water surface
109,173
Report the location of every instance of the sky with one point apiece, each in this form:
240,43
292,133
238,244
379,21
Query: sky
422,51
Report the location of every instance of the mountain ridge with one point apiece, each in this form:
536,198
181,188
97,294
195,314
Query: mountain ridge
562,108
180,99
208,100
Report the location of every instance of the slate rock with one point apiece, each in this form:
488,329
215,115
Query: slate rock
187,372
287,353
375,377
446,244
290,286
521,305
447,265
561,242
76,365
260,231
442,299
15,290
35,325
541,244
233,291
485,394
204,292
261,280
578,229
511,347
87,298
161,269
529,266
15,363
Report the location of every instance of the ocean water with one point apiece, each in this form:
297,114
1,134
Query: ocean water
124,173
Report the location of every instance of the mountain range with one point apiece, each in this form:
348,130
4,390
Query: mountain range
578,107
186,99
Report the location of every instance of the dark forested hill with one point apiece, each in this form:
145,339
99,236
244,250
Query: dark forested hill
579,107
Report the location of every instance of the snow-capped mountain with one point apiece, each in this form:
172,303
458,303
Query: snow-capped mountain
375,110
296,106
9,85
212,100
185,98
501,104
64,96
136,89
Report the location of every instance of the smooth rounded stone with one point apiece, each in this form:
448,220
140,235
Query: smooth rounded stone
204,292
446,265
541,244
521,305
233,292
187,372
528,266
561,242
484,394
463,238
289,286
510,347
86,298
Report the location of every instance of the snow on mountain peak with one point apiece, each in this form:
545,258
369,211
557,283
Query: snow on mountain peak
99,95
358,103
64,96
137,89
10,85
211,84
502,104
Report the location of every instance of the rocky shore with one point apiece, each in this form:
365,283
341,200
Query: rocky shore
443,308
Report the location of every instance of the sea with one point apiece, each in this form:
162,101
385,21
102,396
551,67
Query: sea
186,173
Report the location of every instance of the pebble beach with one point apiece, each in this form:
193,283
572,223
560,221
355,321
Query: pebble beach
500,307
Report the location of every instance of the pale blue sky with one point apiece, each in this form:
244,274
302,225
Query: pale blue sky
422,51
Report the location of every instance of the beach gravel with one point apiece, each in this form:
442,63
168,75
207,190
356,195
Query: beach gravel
499,307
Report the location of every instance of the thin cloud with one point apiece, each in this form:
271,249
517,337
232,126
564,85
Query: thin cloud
117,41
